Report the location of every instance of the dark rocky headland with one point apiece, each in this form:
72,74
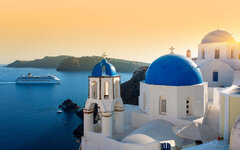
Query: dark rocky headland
69,105
130,89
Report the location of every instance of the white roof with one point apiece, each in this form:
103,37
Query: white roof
154,131
218,36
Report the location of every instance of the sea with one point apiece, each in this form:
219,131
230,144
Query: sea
28,118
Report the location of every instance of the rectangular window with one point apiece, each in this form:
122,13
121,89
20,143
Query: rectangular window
215,76
217,54
163,107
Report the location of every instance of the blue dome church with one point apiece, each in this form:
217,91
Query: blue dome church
173,90
109,69
104,90
173,70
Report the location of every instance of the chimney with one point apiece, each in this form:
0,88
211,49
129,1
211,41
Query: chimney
188,54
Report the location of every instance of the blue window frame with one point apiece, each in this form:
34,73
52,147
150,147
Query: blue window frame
215,76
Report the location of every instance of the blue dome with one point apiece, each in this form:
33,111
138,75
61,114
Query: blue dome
110,69
173,70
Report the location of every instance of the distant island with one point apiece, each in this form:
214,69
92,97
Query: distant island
46,62
85,63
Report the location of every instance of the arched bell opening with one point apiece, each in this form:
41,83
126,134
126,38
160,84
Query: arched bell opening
92,118
106,90
94,90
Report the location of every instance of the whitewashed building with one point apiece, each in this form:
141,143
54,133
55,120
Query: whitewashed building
219,59
173,90
173,93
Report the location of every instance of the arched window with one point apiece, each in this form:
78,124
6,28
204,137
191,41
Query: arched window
94,90
144,101
116,85
217,53
106,90
232,54
189,106
203,54
104,71
215,76
162,105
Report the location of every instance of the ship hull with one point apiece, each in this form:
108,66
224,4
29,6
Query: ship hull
37,81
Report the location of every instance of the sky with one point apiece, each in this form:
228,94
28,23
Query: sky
139,30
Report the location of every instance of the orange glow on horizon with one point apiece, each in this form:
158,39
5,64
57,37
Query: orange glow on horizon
128,29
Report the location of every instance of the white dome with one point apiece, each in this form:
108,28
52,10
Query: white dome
218,36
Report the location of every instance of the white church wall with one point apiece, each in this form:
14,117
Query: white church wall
225,53
200,62
233,63
209,49
153,93
144,91
197,106
176,97
170,94
235,48
225,73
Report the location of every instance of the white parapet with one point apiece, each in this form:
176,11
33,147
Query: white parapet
119,123
107,125
88,122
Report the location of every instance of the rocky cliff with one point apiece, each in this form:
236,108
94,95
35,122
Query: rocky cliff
130,89
69,105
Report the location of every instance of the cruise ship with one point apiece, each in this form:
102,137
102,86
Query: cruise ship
29,79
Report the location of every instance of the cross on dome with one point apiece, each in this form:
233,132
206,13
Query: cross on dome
171,49
104,55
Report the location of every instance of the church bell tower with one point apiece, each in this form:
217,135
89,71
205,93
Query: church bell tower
104,90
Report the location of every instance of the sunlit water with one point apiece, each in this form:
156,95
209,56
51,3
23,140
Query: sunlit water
28,118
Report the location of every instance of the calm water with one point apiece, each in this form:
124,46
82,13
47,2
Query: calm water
28,118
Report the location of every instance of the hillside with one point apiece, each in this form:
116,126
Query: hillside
87,64
68,63
46,62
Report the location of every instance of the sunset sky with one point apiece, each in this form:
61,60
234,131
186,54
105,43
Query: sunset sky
139,30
